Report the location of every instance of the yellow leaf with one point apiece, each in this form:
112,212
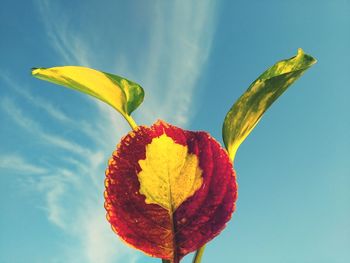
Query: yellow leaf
169,173
122,94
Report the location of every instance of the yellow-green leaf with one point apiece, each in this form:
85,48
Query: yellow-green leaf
122,94
250,107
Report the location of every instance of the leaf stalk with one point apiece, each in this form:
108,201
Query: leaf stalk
131,121
198,256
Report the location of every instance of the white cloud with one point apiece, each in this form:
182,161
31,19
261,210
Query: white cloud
100,244
52,109
54,188
17,163
32,126
176,53
67,44
179,48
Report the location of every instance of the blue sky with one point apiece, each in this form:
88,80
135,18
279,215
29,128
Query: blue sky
194,59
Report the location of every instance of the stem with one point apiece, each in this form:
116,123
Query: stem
166,261
198,256
131,121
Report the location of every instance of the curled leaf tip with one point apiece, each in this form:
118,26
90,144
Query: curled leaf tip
250,107
37,71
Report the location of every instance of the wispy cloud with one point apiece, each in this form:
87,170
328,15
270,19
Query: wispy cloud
32,126
179,48
52,109
17,163
174,57
66,43
53,187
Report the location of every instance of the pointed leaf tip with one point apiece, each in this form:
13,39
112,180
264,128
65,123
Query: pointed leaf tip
250,107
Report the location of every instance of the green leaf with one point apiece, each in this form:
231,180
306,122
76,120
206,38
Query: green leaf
122,94
250,107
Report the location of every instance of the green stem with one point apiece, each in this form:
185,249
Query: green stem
165,261
198,256
131,121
